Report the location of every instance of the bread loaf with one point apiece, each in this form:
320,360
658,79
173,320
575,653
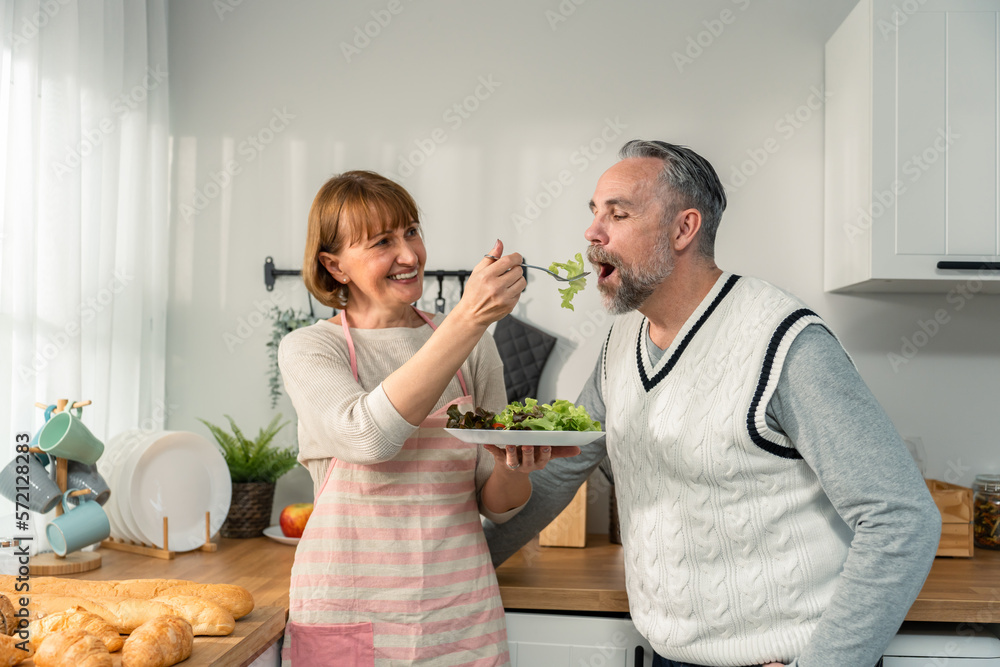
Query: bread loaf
10,654
41,606
8,621
129,588
161,642
75,619
72,648
125,615
235,599
206,617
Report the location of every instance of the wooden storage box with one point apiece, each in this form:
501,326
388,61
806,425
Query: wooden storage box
955,504
569,529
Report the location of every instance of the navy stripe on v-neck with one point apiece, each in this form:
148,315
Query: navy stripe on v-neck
765,375
649,383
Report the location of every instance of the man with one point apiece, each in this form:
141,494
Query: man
770,513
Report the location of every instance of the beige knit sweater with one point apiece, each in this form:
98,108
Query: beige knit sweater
355,421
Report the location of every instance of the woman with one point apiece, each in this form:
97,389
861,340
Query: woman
393,567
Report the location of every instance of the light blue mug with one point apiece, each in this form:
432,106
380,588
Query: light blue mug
78,527
65,435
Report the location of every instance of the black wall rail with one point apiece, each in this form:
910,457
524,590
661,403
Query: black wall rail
271,273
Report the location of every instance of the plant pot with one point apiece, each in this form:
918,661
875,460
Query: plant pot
249,510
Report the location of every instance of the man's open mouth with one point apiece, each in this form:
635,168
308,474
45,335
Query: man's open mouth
604,270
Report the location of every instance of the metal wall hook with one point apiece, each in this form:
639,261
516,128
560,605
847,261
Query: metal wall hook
439,301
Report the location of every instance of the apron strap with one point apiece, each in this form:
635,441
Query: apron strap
461,378
354,359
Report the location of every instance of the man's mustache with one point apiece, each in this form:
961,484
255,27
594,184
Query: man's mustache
598,255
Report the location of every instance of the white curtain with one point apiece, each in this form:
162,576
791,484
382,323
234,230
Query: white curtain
84,138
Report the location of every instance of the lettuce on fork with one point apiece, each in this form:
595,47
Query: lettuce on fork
573,267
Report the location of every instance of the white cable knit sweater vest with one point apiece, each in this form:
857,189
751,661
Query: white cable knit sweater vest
730,553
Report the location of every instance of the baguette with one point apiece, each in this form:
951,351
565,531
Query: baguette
72,648
75,619
10,654
235,599
206,617
129,588
160,642
125,615
41,606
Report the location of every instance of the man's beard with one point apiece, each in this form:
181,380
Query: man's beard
635,284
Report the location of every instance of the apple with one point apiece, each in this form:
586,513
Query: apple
293,519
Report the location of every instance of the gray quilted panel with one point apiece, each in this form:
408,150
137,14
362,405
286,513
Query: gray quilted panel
524,351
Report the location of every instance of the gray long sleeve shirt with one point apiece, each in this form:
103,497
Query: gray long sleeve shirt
824,407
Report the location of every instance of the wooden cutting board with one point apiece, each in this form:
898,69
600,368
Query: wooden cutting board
254,632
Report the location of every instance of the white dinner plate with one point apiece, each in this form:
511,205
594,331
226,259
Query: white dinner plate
274,532
485,436
110,466
181,476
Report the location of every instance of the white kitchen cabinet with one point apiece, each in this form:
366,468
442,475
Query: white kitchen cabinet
911,147
551,640
944,645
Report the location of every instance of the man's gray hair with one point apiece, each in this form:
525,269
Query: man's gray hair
691,182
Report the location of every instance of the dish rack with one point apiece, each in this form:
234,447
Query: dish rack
165,553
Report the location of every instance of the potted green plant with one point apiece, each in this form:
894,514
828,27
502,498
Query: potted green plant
254,467
285,322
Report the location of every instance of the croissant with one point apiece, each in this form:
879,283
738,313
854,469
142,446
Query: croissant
75,619
161,642
72,648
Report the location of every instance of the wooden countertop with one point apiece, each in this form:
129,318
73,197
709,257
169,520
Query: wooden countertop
260,565
537,578
593,579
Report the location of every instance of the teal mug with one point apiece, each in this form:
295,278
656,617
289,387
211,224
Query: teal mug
66,436
78,527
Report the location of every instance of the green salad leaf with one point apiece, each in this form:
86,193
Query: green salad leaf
573,267
561,415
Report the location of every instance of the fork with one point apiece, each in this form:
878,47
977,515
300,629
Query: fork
554,275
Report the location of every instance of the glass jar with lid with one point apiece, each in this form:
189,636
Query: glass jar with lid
986,511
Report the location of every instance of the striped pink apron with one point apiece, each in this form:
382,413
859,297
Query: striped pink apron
393,567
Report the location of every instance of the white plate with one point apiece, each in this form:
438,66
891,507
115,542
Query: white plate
484,436
116,453
274,532
179,475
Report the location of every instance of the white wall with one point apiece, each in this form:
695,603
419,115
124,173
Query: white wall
236,67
